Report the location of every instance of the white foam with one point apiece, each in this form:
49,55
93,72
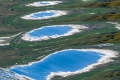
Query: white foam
57,14
6,74
92,13
4,44
117,25
37,4
75,29
108,54
85,0
106,44
4,41
106,57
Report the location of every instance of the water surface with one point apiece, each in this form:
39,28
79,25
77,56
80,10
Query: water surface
45,3
68,60
43,14
50,31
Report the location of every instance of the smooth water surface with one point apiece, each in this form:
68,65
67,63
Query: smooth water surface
50,31
69,60
43,14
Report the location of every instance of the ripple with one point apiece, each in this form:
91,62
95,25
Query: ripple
44,15
65,60
43,3
54,31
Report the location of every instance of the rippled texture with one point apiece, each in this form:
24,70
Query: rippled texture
45,3
50,31
68,60
43,14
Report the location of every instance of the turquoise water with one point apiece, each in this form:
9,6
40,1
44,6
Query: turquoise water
69,60
50,31
43,14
